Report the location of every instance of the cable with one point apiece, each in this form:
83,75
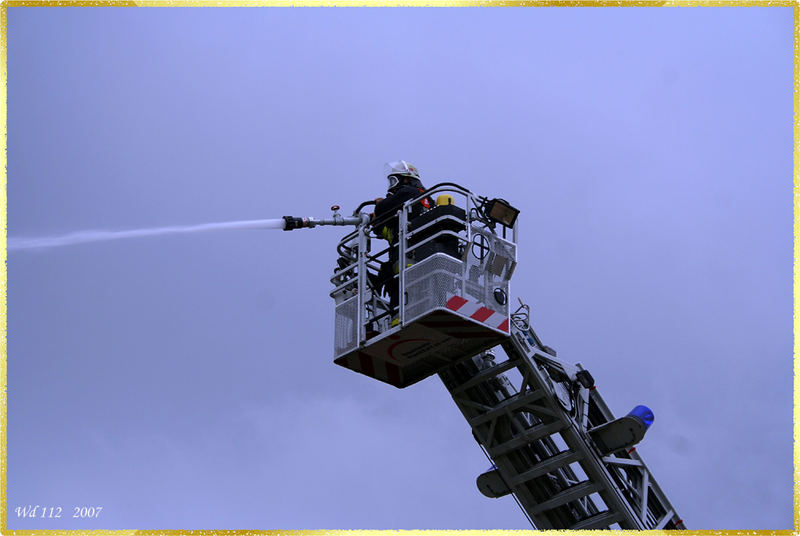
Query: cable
362,205
521,317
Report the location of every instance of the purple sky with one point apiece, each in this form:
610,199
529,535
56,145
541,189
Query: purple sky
187,382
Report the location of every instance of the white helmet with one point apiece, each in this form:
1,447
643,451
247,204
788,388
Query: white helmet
401,168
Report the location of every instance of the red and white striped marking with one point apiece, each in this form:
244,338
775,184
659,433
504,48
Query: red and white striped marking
424,346
478,312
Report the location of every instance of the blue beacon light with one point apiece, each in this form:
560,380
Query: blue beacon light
644,414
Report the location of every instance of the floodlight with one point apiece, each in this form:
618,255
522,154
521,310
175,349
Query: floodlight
499,211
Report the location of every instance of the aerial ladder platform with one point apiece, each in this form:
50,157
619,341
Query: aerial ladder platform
553,443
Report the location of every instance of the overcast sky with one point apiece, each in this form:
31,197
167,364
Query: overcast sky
187,381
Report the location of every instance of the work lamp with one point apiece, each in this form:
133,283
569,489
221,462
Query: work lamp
499,211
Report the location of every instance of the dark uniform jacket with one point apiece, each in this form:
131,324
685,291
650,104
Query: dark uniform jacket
386,220
386,226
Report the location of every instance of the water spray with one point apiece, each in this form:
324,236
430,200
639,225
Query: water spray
287,223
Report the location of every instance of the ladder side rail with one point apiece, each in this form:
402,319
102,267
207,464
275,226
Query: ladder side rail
456,375
563,477
531,492
657,502
628,478
644,488
628,490
615,498
551,483
559,479
459,373
590,463
666,507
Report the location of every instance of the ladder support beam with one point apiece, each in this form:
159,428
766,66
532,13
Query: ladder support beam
621,461
483,376
546,466
573,493
517,401
533,434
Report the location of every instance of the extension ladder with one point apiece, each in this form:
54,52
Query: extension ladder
537,437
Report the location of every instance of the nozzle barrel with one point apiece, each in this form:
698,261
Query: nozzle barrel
292,222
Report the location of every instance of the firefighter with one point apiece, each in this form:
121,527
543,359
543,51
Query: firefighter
404,185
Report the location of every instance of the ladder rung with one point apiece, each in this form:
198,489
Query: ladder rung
546,466
601,520
621,461
537,432
483,376
570,494
509,404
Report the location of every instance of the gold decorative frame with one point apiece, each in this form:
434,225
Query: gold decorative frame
4,5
